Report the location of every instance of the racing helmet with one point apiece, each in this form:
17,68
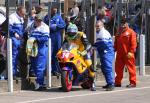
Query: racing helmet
72,31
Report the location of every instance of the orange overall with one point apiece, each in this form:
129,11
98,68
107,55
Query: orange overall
125,43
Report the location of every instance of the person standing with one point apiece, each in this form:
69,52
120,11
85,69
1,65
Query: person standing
40,31
16,29
75,10
125,46
105,50
57,24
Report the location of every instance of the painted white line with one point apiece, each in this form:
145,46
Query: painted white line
82,95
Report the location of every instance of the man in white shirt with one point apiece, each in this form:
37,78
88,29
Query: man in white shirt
40,31
16,29
105,50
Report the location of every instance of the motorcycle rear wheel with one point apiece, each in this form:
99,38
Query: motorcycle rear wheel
86,85
66,82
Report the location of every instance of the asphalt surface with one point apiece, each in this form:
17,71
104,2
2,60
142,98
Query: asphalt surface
140,94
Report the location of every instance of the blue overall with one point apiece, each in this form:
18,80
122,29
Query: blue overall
38,63
56,26
16,26
106,52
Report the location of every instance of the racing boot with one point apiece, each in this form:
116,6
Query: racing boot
93,84
92,77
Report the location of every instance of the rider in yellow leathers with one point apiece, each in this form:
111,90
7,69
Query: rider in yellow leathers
80,39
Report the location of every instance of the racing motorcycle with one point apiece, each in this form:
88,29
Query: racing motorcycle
74,71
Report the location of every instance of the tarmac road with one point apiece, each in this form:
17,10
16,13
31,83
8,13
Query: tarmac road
140,94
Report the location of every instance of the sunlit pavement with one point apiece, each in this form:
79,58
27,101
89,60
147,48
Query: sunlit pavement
140,94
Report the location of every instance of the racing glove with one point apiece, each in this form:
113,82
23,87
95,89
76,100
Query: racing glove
83,53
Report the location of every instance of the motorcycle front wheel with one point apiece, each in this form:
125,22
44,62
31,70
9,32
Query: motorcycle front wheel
66,81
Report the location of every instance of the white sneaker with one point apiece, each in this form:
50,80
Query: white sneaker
37,86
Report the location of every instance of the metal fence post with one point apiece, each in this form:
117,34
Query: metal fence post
142,55
49,65
9,65
9,52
